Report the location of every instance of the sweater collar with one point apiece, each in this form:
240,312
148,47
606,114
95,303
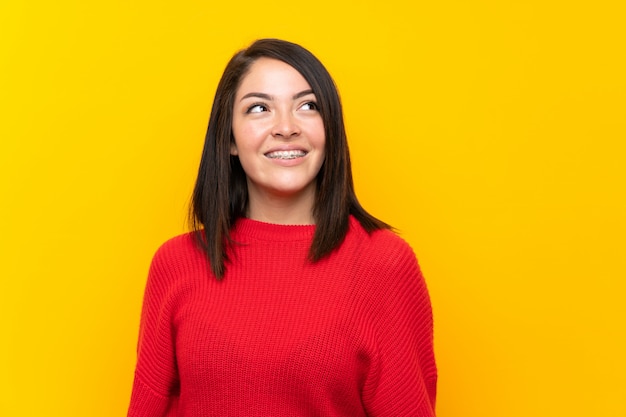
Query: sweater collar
254,229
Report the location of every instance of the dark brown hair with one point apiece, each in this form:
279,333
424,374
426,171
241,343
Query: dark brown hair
220,195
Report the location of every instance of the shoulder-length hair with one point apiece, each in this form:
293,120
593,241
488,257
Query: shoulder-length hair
220,195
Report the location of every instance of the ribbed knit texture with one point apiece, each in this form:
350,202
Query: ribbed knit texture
350,335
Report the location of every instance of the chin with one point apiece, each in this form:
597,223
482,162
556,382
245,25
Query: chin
292,190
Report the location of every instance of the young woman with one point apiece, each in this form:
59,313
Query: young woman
288,298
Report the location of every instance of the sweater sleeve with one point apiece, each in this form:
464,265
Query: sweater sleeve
403,379
155,382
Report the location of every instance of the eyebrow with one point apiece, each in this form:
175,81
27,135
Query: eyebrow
269,98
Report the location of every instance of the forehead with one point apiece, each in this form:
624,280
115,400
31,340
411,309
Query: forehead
272,76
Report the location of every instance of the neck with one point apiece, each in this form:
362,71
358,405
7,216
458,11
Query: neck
277,209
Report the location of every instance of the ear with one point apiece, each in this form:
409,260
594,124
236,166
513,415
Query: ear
233,149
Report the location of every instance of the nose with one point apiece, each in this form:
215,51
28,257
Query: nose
286,126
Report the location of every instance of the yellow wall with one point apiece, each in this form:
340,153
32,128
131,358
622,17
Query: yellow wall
492,133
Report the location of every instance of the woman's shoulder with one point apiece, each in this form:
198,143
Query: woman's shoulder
383,246
178,254
380,239
388,264
179,245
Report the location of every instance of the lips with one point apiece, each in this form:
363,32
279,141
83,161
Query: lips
291,154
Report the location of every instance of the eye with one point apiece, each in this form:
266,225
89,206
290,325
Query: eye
256,108
310,105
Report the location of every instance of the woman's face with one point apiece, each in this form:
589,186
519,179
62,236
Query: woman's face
278,131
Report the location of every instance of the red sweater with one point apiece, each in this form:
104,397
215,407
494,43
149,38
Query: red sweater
350,335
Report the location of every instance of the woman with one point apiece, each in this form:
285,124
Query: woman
288,298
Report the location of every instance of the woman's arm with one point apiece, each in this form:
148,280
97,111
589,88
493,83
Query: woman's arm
403,381
156,380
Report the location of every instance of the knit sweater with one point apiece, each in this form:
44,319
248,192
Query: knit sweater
349,335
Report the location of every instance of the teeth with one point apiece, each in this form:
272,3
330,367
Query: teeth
285,154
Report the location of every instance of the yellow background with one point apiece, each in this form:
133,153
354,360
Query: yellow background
491,133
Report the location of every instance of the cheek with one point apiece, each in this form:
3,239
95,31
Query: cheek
240,139
248,135
321,137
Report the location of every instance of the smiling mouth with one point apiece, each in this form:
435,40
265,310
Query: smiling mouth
285,154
